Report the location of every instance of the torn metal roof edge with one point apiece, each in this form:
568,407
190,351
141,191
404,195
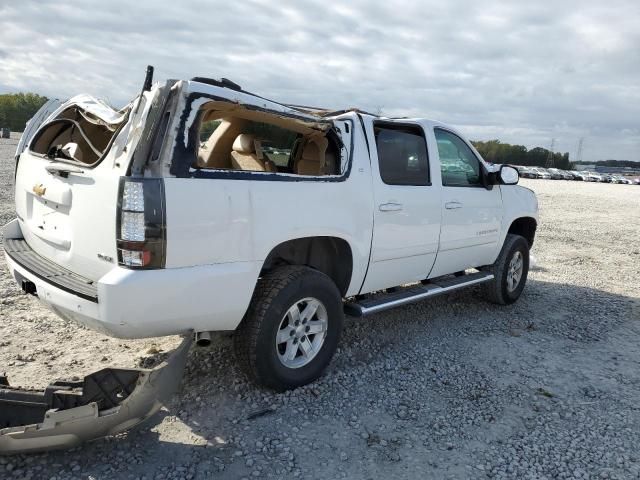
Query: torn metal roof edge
325,112
317,111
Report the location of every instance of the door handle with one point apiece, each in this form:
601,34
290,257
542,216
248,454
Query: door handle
62,170
390,207
452,205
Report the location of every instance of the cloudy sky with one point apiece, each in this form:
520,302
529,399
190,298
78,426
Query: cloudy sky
523,72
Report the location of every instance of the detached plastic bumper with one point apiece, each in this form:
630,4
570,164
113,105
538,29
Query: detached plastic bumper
107,402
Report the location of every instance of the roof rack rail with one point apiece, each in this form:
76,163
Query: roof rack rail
223,82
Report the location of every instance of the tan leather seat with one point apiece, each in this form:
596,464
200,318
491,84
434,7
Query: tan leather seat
330,163
244,156
215,153
312,160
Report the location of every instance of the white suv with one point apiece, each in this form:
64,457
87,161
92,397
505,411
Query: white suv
203,207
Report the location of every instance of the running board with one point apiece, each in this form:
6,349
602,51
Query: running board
404,296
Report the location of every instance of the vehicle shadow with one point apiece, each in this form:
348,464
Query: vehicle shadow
219,416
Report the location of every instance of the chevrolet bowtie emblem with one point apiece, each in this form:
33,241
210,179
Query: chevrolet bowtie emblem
39,189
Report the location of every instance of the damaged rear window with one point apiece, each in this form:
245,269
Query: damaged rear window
76,136
235,138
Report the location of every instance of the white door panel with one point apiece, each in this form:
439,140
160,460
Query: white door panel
470,233
404,233
406,222
471,214
474,221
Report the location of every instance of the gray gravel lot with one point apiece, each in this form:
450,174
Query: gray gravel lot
448,388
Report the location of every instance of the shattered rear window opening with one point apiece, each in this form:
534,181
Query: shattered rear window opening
77,136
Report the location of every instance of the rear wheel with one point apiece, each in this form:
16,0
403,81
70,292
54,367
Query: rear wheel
510,271
291,329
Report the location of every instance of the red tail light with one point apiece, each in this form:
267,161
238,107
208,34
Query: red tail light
141,223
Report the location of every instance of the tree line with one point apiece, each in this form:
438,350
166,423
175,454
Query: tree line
495,151
17,108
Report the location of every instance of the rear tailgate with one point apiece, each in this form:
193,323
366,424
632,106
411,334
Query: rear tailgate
66,207
69,221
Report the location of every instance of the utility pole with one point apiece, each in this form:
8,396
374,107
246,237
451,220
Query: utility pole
550,161
579,150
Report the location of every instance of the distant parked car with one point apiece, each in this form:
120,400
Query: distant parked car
620,179
527,172
532,172
606,177
635,181
565,174
556,173
544,173
541,173
591,176
5,133
577,175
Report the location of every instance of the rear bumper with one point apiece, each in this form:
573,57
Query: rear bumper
68,413
21,254
146,303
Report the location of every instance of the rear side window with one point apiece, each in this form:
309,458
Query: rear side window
234,138
402,154
276,143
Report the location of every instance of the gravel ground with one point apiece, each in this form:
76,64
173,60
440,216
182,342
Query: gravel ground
448,388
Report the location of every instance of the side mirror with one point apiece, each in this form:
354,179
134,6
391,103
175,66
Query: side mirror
508,175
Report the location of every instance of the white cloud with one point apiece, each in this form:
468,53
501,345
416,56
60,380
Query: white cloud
523,73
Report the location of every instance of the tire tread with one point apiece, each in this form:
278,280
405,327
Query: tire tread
247,338
493,291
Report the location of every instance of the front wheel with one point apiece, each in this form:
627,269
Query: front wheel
292,328
510,271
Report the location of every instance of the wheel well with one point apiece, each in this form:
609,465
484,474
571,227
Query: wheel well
525,227
330,255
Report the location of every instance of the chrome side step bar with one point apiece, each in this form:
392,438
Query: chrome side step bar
404,296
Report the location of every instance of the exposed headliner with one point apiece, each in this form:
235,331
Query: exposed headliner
215,110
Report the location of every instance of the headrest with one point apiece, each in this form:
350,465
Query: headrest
244,143
311,152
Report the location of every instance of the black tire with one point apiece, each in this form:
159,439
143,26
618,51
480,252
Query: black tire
254,340
497,291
